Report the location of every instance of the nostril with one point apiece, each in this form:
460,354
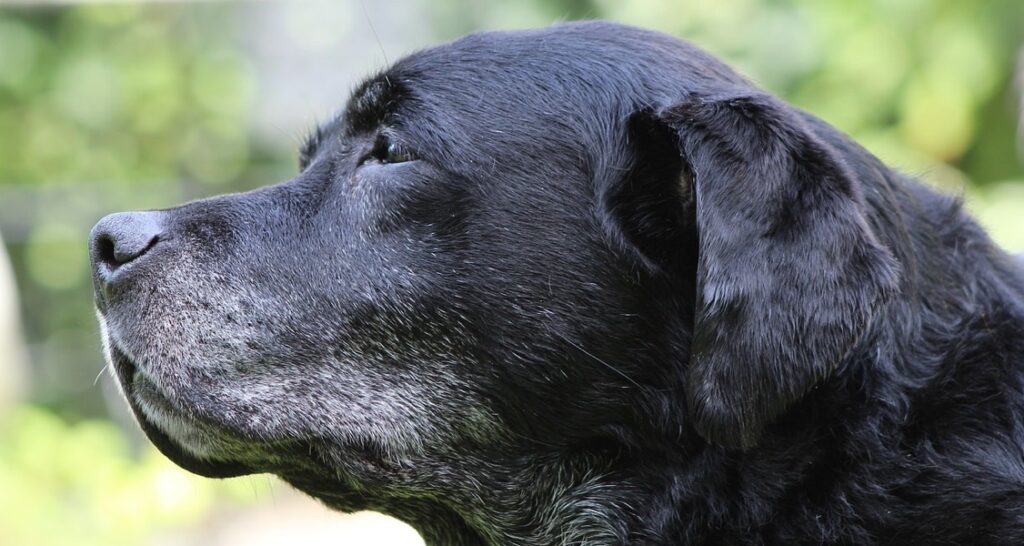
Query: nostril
124,237
113,254
105,250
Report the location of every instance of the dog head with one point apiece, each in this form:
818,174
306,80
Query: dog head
512,255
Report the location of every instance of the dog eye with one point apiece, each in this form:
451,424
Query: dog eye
386,150
397,154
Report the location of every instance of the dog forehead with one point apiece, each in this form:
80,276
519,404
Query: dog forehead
515,96
517,73
565,78
593,59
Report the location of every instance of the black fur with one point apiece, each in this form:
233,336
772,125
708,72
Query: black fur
585,285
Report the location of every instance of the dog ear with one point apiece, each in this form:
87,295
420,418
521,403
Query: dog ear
788,271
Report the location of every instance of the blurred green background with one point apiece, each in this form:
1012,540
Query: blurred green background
116,106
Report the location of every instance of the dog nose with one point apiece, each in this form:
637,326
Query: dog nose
120,238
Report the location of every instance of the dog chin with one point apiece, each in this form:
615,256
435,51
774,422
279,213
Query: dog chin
180,428
173,432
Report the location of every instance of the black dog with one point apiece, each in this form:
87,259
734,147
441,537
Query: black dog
584,285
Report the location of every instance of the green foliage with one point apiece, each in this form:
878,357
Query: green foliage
913,79
103,93
80,484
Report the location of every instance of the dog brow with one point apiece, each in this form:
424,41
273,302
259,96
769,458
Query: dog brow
367,108
371,102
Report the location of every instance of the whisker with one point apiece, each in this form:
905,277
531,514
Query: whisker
609,366
105,368
369,22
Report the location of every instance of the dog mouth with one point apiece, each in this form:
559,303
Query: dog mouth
176,434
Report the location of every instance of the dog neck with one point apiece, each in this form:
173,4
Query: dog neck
536,500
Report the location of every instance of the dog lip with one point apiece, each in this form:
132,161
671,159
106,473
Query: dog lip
126,372
107,283
105,280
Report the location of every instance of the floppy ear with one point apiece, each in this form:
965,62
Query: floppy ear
789,272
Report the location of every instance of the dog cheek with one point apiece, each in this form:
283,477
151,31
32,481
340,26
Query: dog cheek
405,403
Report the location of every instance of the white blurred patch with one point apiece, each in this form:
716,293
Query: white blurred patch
13,361
307,70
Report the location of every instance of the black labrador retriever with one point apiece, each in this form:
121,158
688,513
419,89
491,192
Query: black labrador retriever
584,285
